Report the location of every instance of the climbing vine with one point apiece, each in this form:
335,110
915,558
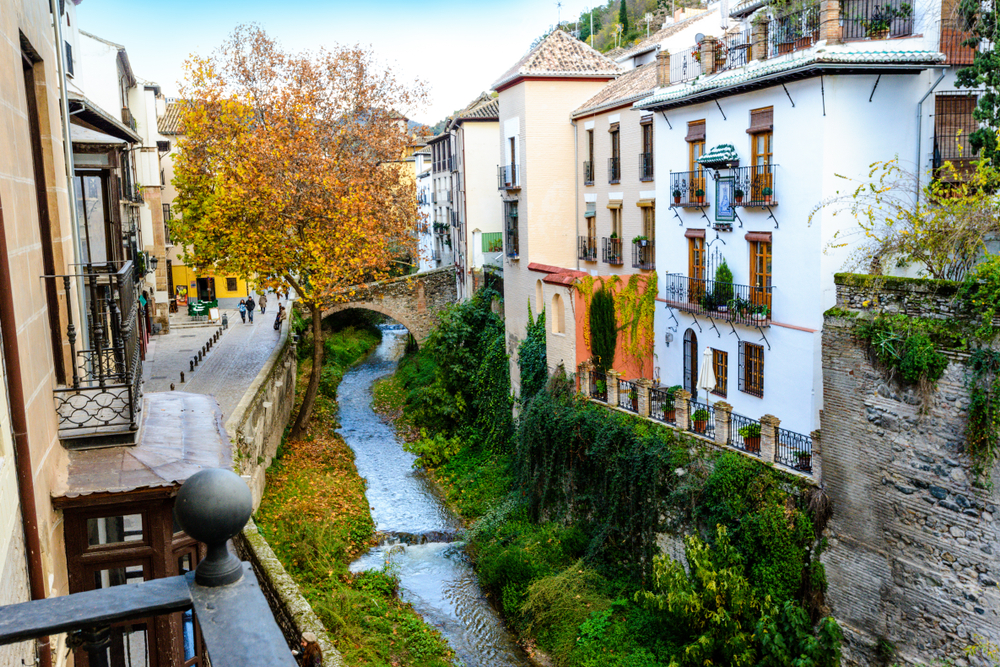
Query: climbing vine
532,358
982,432
635,302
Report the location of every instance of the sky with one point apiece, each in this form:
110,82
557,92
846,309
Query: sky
458,47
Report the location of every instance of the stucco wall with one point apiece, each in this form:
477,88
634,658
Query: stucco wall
480,158
628,367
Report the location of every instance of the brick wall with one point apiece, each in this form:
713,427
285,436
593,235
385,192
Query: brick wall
913,546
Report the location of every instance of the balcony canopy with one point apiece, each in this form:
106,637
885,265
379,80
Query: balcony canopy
721,156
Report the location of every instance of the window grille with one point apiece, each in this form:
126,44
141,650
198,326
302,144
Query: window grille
752,369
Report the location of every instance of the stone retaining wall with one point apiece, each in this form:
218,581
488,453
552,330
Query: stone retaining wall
913,554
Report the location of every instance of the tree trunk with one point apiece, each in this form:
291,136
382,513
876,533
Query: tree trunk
305,412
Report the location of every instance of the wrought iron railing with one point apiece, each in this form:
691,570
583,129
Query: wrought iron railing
733,50
587,248
793,31
661,406
513,249
628,395
611,251
645,166
794,450
685,64
685,186
706,424
128,119
508,177
454,218
614,170
599,386
105,397
644,255
588,172
744,434
754,185
875,19
741,304
955,43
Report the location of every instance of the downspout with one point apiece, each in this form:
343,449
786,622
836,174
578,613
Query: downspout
576,188
22,451
920,128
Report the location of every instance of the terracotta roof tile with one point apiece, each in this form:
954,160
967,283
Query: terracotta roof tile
661,35
170,122
561,54
629,87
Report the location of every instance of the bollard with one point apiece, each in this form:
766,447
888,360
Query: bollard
192,366
195,362
182,377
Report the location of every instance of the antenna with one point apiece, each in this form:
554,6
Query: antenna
648,19
558,14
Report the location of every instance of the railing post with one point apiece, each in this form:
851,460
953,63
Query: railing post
722,412
682,405
663,68
829,21
71,334
707,49
817,456
642,387
613,376
585,369
758,37
769,438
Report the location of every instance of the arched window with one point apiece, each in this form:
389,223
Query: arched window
539,298
558,315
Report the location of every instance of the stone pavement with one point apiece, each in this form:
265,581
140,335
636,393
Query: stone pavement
229,368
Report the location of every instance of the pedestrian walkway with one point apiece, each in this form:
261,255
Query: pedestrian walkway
226,372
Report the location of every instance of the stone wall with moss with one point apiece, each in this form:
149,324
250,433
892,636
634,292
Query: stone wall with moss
914,547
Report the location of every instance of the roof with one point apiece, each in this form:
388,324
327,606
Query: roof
770,72
181,434
85,135
629,87
560,54
661,35
88,112
489,110
170,121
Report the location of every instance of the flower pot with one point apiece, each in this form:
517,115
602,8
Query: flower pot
767,199
785,47
739,199
752,443
635,405
880,34
643,244
700,200
670,415
722,309
699,425
804,463
677,200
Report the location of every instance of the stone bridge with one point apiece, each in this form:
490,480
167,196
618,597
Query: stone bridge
414,300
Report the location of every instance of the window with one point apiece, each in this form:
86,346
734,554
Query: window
696,258
69,60
696,148
539,298
231,285
953,123
752,369
588,166
558,315
649,222
720,363
646,157
761,148
510,216
760,269
513,150
616,222
614,162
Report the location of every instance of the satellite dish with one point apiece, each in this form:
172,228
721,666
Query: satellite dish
698,38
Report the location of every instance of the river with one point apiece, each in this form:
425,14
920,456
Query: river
435,574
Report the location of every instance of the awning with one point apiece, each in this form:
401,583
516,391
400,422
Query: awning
723,155
615,204
84,135
646,202
694,233
758,236
82,108
590,214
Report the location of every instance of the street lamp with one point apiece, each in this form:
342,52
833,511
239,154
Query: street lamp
153,261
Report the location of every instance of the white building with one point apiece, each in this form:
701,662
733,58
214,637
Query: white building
443,216
425,233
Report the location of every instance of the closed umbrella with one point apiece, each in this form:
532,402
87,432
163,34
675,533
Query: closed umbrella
706,374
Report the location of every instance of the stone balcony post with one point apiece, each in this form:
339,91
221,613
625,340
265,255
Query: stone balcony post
613,376
682,405
642,386
817,456
829,21
758,38
722,412
663,68
768,437
707,49
585,377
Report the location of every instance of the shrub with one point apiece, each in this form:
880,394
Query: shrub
532,359
603,329
723,291
433,451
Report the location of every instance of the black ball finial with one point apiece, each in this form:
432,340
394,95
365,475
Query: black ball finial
212,506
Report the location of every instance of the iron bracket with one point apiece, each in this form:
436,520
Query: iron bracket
721,111
678,216
733,332
677,323
874,87
737,216
664,114
770,216
764,338
717,332
695,318
788,95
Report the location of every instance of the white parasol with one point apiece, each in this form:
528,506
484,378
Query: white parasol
706,374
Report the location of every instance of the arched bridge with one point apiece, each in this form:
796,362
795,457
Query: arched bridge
414,301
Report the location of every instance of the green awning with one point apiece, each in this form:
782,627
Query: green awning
590,214
723,155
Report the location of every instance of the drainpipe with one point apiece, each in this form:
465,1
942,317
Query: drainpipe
22,451
576,189
920,117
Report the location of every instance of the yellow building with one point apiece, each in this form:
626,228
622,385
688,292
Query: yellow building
186,284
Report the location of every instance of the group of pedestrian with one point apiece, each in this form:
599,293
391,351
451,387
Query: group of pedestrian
248,305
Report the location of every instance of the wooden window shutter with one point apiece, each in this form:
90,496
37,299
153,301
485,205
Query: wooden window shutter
694,233
757,236
761,120
696,131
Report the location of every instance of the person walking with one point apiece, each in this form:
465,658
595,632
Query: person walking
282,314
243,311
250,306
311,654
262,303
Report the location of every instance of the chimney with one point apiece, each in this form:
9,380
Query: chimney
662,68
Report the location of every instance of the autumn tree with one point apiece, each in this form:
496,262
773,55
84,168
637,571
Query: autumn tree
290,172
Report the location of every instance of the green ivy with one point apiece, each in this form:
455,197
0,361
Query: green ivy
980,296
904,345
982,431
532,359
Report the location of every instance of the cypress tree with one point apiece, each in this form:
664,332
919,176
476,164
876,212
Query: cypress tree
603,329
623,18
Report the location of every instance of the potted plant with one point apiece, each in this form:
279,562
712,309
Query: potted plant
767,192
641,240
803,460
699,195
723,291
633,395
739,195
669,409
602,388
761,312
740,306
751,437
707,301
700,419
677,196
614,235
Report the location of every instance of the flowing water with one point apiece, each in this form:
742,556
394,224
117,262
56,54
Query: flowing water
434,573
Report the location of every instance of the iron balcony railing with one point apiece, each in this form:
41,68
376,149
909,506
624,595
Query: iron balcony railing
599,386
688,188
685,64
645,166
875,19
794,450
612,251
587,246
128,119
744,434
105,397
741,304
513,249
614,170
644,255
733,50
701,419
454,218
508,177
628,396
793,31
588,172
661,406
754,185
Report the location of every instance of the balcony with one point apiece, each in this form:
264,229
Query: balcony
452,163
733,50
754,186
434,198
685,64
508,177
128,119
688,188
645,166
102,405
644,255
588,172
612,251
510,236
614,170
740,304
875,19
794,31
454,219
587,248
